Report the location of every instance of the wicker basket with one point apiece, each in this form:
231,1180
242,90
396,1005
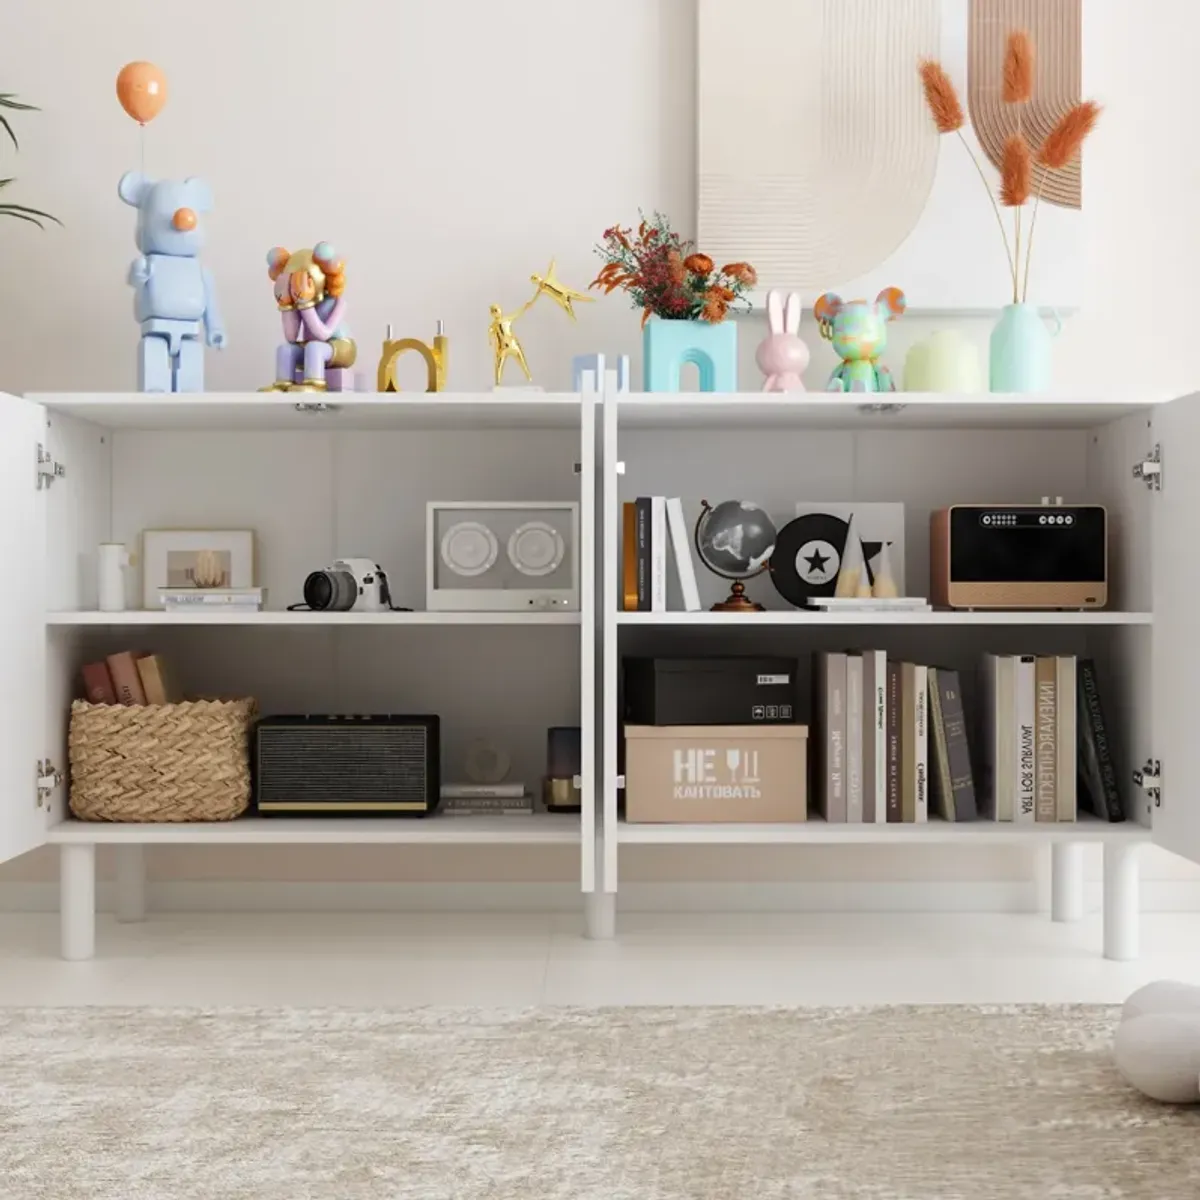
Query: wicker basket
161,762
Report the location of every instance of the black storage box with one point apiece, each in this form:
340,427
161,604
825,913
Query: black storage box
710,691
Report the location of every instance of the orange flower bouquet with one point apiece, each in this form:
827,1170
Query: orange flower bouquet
666,277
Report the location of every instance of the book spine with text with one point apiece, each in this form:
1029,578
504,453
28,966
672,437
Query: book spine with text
1006,699
126,680
874,736
629,556
895,810
831,701
1067,755
988,738
658,554
939,774
482,791
958,746
683,555
854,739
1098,771
1046,770
644,566
920,766
1025,809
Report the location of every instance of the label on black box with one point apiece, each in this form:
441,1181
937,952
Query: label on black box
768,680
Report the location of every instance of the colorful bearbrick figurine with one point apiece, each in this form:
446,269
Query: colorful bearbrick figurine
858,331
174,292
318,351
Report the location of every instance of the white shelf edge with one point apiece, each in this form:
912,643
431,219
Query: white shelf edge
852,401
540,829
505,397
147,617
818,832
799,619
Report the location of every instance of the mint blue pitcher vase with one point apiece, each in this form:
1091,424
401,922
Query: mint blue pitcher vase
711,348
1021,350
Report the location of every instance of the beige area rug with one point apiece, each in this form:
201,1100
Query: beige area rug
617,1104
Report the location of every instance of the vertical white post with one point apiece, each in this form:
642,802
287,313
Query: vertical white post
77,900
1066,881
131,883
601,916
1120,901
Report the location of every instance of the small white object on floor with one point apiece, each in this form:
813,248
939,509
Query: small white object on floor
1157,1046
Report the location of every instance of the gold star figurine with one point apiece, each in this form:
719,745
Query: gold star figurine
558,291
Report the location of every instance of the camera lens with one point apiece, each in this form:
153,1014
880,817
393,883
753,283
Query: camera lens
330,591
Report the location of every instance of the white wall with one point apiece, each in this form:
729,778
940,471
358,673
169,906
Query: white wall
449,149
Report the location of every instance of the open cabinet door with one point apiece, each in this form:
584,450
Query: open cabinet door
1176,632
22,626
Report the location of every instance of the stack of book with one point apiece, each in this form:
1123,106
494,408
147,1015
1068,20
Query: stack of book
130,677
891,741
184,599
646,522
485,799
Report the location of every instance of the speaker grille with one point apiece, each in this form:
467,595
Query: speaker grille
343,765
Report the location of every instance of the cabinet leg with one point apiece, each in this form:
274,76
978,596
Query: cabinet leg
1121,901
1066,881
600,909
131,883
77,901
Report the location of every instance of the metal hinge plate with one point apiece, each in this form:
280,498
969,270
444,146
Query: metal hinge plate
620,781
1149,471
1149,779
49,777
47,469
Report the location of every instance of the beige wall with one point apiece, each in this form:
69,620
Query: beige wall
449,149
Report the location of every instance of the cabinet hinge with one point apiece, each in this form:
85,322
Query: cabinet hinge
1149,779
47,469
1149,470
48,779
621,781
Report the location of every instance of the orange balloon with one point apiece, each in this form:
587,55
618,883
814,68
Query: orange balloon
142,90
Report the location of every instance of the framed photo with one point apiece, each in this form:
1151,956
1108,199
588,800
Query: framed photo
502,557
195,558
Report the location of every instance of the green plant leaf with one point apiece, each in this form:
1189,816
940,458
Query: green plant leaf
9,130
9,100
24,213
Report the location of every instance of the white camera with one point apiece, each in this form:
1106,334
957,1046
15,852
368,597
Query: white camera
351,583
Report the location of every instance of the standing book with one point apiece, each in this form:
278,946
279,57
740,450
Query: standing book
1046,768
895,810
831,715
1025,807
1067,755
997,738
658,554
683,555
854,739
1097,771
644,566
874,733
914,747
953,781
629,556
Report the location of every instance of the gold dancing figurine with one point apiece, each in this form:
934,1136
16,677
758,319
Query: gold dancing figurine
504,341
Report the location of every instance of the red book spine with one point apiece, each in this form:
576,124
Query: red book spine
98,685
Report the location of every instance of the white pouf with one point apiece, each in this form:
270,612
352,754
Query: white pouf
1157,1046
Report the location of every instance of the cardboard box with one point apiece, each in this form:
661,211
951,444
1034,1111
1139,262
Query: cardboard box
676,774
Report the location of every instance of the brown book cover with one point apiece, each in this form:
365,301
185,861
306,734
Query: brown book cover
126,680
97,684
894,811
1046,739
156,680
831,714
629,556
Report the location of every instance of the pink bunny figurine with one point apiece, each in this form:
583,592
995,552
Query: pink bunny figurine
782,356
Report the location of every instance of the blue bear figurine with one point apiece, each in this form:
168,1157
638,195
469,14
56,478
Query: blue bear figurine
174,292
858,331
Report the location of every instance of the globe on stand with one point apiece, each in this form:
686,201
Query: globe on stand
735,539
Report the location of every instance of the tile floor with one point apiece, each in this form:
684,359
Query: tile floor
520,960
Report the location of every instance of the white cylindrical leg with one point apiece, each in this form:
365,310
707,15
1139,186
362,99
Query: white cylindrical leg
1066,881
601,912
77,901
1120,901
131,883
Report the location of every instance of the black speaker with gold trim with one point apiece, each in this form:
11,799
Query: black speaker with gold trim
343,766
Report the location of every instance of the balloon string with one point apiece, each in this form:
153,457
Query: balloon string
142,140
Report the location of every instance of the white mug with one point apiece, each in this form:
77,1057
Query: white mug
113,559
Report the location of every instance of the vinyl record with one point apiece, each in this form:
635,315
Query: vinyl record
536,548
808,556
469,548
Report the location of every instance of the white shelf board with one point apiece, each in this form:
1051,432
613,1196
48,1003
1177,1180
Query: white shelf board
816,831
549,829
801,619
146,618
830,410
355,410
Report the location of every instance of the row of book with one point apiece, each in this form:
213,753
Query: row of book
893,742
130,677
644,551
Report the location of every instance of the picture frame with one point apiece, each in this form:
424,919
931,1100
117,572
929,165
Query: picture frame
170,558
502,556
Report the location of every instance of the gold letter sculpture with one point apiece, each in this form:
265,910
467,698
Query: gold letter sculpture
436,360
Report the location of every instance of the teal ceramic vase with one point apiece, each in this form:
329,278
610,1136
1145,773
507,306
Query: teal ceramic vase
1021,350
668,345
